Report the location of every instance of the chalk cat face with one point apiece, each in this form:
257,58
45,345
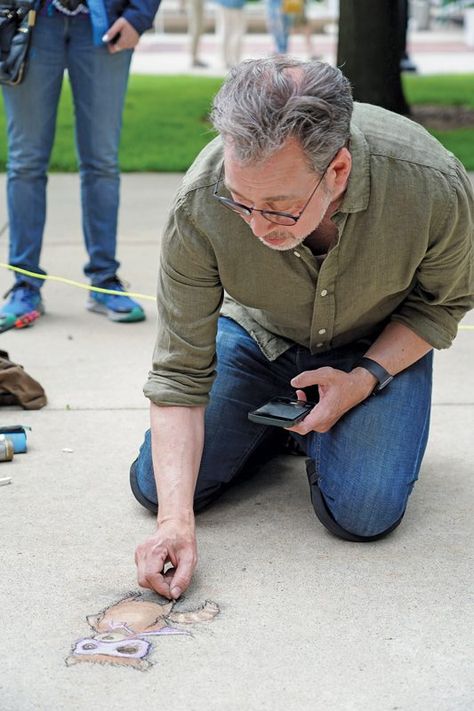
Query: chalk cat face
121,633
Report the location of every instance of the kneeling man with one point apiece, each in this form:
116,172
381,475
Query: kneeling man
316,249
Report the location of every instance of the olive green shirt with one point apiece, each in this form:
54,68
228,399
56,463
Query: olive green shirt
404,253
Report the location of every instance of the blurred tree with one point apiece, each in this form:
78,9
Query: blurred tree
371,44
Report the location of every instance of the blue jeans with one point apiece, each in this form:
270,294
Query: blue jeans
99,82
279,24
363,469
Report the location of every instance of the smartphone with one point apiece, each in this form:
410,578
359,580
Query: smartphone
281,412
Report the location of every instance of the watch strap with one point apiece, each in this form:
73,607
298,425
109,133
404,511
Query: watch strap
383,376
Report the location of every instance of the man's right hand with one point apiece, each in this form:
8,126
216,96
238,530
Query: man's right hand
173,542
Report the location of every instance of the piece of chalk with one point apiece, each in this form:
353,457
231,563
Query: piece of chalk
4,480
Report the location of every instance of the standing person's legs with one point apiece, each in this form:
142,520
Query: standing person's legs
245,379
286,24
306,31
222,32
230,28
238,24
99,83
195,28
363,470
278,25
31,109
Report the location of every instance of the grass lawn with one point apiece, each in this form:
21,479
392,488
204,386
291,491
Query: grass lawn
447,90
165,123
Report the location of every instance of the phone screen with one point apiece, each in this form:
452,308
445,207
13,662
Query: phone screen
284,409
281,412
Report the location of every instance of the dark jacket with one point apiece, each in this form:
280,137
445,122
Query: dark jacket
140,13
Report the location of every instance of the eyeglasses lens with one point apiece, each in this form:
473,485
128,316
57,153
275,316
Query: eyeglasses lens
234,206
284,220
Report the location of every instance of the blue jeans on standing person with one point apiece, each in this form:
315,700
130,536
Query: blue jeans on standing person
279,24
361,472
99,82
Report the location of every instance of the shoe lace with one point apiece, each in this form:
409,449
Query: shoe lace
116,283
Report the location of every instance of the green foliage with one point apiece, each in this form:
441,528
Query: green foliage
460,142
447,89
164,126
165,120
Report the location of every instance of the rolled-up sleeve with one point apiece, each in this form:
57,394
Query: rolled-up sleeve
189,299
444,288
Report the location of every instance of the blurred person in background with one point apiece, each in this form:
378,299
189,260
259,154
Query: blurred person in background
279,24
196,30
230,28
301,24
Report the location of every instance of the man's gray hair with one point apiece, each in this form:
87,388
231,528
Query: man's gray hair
263,102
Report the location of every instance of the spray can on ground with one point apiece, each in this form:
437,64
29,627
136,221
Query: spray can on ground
17,436
6,449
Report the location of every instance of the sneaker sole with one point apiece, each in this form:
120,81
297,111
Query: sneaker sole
40,309
136,314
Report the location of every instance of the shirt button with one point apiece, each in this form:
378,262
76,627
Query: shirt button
324,292
297,254
322,331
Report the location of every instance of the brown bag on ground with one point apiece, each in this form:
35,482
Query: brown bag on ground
17,387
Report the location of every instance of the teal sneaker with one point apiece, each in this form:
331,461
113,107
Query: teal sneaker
115,306
24,298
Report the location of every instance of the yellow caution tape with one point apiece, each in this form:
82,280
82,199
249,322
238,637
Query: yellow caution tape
79,284
98,289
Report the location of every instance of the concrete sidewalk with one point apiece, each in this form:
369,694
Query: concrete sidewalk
433,52
306,622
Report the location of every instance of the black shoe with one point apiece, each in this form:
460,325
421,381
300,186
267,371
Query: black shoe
138,494
291,446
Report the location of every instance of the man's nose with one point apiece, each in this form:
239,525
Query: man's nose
260,226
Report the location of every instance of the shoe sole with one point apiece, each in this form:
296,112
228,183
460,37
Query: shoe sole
133,316
5,316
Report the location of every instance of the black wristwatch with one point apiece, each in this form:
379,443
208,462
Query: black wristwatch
382,375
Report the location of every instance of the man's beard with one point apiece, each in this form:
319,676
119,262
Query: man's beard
289,240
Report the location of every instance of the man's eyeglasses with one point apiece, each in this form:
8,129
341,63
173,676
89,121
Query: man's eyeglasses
278,218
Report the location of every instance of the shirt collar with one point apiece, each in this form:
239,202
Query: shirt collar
356,197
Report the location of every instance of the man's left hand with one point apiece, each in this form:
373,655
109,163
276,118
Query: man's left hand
127,36
339,392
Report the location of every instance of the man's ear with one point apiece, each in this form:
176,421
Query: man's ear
340,169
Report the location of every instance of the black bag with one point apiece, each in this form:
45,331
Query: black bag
17,19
